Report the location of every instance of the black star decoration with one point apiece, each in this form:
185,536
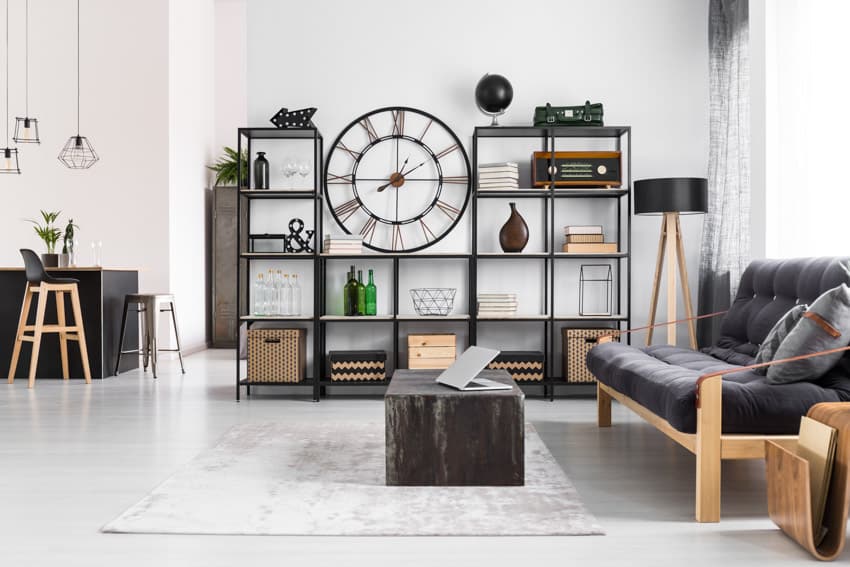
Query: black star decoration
294,119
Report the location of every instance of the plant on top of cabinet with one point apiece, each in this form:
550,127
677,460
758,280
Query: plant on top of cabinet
227,168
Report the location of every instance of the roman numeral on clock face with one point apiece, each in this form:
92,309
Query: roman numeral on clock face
429,235
368,230
345,210
456,180
346,179
398,123
398,241
447,151
451,212
355,155
370,130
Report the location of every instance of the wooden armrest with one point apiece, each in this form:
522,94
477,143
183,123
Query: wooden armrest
609,338
721,373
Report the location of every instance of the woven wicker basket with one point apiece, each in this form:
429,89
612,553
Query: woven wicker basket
577,343
276,355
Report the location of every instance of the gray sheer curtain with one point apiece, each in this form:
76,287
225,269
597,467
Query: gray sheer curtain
726,227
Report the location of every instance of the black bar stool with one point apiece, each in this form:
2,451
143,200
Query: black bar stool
150,305
40,282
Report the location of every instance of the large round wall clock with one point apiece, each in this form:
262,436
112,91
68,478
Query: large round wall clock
399,177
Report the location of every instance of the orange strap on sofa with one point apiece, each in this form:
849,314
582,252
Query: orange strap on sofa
609,338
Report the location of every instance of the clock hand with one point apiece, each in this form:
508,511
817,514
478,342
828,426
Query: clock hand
415,168
390,182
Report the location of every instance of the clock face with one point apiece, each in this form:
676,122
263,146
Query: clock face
399,177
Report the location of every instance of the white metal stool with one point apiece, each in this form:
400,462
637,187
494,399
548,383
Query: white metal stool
150,305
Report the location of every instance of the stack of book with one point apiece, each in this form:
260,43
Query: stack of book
587,240
343,244
497,305
498,176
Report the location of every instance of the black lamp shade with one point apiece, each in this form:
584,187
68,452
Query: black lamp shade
671,195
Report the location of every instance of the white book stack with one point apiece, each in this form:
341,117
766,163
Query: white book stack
343,244
497,305
498,176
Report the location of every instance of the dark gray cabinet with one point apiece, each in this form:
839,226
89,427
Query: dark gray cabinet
224,331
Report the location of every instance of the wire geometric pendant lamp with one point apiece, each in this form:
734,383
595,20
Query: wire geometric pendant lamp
78,152
26,128
9,162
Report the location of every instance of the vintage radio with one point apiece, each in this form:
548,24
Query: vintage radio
577,169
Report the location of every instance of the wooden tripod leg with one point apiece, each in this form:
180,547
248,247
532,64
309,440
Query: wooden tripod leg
39,325
81,333
22,321
671,276
63,335
656,280
686,288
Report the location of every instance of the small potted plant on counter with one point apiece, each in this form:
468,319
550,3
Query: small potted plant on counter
227,168
50,235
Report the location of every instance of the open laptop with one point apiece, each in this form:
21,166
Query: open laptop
463,373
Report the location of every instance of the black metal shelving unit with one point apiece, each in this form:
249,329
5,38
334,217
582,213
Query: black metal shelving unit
246,139
620,137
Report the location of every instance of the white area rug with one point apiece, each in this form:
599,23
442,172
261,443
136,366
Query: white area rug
276,479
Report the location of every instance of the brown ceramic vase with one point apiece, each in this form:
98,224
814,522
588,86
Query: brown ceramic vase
514,234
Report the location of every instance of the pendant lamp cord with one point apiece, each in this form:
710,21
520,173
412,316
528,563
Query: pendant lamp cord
27,59
78,68
7,74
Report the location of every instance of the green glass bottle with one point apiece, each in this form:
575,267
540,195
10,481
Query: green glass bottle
371,295
346,306
361,294
351,294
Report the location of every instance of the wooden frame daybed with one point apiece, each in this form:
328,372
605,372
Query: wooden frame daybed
708,444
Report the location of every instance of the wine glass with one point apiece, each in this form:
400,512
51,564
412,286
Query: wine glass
305,167
290,166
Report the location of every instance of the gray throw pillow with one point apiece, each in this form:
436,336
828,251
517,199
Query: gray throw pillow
826,325
777,334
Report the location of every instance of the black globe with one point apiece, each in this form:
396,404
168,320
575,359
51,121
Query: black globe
493,94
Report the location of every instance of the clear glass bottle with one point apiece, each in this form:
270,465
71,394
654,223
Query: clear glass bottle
296,296
258,296
361,294
286,296
371,295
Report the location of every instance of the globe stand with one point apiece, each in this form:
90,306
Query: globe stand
492,115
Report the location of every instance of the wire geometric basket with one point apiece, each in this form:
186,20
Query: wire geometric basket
433,300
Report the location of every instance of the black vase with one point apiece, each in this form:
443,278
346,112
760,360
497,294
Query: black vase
261,171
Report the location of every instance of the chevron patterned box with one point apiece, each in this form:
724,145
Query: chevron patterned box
522,365
358,365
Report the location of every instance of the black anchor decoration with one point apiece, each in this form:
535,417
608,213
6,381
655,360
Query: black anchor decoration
294,242
294,119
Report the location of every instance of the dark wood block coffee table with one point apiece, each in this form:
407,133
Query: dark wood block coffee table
438,436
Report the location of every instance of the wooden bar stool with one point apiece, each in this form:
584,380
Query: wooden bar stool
150,305
40,282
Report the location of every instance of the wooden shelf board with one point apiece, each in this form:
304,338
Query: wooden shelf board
276,318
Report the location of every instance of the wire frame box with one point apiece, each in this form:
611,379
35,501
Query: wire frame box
595,293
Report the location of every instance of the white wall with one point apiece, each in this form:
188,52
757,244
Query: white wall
123,199
646,61
191,129
231,71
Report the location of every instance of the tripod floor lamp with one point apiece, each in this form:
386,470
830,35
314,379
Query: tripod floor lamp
671,197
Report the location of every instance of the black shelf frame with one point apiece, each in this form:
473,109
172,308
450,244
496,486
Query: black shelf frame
549,136
246,138
548,322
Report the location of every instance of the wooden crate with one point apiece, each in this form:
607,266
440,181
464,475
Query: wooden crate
577,343
523,366
277,355
431,350
358,365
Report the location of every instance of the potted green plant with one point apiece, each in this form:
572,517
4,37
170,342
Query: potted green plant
50,235
227,168
68,256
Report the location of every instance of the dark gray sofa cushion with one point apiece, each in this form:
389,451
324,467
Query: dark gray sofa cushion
663,378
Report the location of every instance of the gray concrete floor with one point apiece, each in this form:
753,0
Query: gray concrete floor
72,457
